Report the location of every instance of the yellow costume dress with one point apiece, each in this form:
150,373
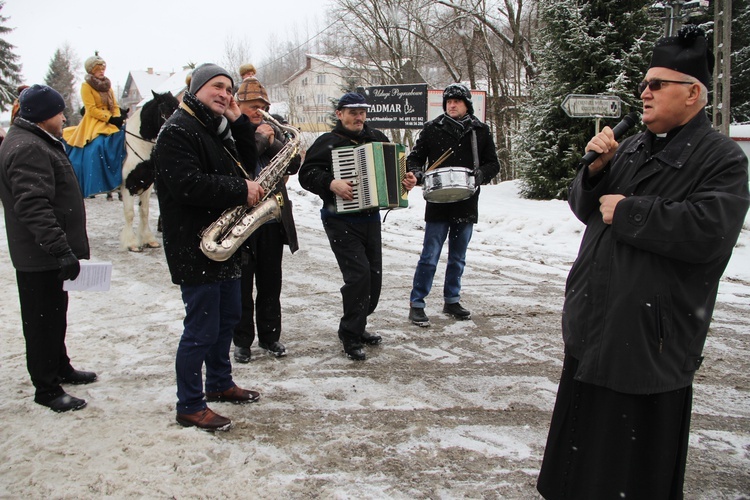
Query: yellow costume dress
96,148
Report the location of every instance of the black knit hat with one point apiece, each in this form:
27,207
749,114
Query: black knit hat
687,53
205,72
39,103
458,91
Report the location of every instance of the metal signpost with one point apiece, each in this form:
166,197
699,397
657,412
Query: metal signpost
592,106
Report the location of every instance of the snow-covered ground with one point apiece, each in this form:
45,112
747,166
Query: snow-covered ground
459,410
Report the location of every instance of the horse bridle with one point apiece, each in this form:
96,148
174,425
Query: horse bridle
140,138
164,117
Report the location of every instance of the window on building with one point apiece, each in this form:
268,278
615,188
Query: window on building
300,99
304,82
321,79
321,99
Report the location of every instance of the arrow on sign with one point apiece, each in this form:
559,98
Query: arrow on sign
592,106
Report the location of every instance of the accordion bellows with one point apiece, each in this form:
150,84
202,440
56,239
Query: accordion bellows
376,170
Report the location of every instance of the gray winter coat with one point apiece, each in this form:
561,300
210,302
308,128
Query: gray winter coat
45,216
640,295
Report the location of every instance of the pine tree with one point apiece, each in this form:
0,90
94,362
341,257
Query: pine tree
583,47
740,82
10,70
61,77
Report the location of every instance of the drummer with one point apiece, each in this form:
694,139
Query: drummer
456,130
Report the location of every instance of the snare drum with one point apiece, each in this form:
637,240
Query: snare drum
448,184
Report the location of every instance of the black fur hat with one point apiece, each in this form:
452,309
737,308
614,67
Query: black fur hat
458,91
687,53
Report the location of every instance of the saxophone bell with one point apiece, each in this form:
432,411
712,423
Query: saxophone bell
223,238
238,230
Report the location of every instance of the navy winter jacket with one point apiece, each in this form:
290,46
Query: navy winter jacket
45,216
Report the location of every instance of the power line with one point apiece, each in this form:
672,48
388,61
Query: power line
340,18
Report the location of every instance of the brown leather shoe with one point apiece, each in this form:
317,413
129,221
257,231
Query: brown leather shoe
234,395
204,419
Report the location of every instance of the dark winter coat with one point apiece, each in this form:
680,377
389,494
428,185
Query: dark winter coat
435,139
197,178
640,295
266,152
45,216
316,172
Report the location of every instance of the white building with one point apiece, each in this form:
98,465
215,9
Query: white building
311,91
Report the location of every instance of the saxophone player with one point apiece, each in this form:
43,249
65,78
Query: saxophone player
261,254
201,158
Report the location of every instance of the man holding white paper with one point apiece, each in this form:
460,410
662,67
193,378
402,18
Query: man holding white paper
45,219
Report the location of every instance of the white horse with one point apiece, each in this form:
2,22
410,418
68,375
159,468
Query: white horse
138,170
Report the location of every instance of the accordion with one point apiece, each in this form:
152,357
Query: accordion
376,170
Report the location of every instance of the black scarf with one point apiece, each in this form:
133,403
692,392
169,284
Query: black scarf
461,124
217,124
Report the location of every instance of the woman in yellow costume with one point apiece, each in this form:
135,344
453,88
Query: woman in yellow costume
96,146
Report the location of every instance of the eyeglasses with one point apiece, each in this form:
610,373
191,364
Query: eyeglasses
656,83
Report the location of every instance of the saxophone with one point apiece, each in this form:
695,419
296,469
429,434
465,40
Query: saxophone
221,239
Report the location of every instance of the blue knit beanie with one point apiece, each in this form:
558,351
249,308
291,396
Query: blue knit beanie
39,103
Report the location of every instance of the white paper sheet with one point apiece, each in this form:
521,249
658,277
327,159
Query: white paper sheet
94,277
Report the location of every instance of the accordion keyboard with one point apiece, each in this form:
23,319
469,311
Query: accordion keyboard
351,164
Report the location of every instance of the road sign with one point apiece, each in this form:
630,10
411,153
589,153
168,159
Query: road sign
592,106
396,106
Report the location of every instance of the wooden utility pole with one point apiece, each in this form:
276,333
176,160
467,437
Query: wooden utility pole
675,14
722,68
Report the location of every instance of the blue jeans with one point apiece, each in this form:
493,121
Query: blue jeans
211,313
434,237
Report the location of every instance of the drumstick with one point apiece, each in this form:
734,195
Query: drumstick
440,160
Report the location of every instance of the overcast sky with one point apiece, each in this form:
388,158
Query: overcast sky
164,35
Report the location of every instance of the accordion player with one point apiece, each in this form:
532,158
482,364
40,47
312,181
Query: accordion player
375,170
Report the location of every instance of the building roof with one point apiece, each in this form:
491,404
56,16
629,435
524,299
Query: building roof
335,61
146,80
174,84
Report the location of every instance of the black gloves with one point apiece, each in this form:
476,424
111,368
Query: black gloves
117,121
478,177
69,266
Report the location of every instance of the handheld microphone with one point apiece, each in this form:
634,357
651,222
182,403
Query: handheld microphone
619,130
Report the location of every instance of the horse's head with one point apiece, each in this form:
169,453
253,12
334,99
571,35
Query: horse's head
167,104
155,112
